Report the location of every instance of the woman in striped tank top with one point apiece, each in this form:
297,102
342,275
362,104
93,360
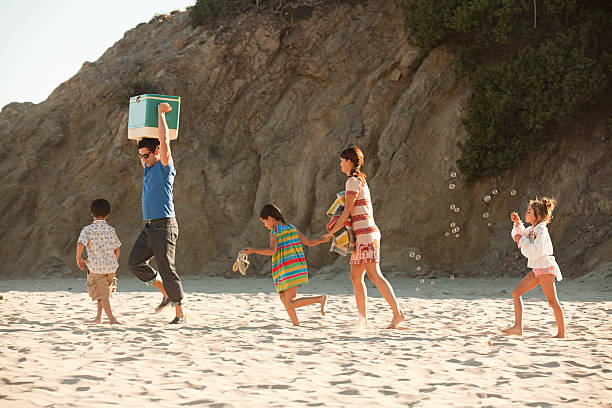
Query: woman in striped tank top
366,256
289,269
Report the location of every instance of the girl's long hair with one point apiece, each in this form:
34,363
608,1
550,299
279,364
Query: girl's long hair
543,208
355,156
270,210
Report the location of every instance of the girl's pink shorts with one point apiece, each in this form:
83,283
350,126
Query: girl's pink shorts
546,271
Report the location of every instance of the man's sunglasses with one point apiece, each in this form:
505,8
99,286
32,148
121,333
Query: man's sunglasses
144,156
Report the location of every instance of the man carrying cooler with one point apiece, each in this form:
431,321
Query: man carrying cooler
158,238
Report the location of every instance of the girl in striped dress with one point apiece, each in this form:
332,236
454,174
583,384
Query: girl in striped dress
289,269
366,256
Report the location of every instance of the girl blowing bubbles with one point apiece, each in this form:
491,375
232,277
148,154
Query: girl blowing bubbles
536,245
289,268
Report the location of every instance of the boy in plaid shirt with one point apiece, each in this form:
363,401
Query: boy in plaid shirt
102,246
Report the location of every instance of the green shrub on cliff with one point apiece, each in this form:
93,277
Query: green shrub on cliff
136,84
531,69
516,104
204,11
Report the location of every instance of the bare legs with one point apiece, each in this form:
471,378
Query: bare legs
104,304
98,318
547,282
530,281
525,285
375,275
360,290
160,286
288,297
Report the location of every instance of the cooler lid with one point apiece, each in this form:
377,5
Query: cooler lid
138,98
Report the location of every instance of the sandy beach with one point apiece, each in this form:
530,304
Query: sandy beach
239,349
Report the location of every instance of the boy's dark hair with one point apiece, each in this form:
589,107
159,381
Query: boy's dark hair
100,208
270,210
149,143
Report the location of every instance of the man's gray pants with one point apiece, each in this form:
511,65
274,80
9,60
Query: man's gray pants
158,239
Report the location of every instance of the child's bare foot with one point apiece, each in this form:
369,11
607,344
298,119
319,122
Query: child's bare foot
513,331
114,321
361,322
323,303
96,320
560,336
397,320
296,323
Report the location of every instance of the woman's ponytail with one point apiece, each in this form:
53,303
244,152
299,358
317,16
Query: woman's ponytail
355,156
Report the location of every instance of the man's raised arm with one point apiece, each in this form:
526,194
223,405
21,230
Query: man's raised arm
164,141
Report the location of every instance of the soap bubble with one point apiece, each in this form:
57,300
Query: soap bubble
489,224
422,281
513,192
456,209
451,186
453,174
418,268
485,215
456,235
455,230
412,254
432,283
452,277
446,234
417,289
494,191
418,257
486,198
452,224
452,206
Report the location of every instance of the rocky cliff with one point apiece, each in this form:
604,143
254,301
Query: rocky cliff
267,107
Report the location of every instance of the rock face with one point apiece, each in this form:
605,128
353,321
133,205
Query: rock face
267,107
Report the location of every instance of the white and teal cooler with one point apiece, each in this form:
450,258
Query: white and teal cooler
142,120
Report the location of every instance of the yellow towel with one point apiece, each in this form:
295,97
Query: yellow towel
336,205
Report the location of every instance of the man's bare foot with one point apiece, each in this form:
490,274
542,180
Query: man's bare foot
96,320
114,321
560,336
397,320
323,303
361,322
513,331
296,323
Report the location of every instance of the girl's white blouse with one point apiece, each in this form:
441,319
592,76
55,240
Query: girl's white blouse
536,246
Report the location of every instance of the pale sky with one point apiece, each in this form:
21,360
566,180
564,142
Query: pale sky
45,42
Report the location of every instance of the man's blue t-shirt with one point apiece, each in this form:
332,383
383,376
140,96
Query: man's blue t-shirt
157,191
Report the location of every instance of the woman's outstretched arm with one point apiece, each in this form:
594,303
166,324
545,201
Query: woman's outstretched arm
309,241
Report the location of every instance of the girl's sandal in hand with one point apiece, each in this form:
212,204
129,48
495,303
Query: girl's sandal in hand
242,263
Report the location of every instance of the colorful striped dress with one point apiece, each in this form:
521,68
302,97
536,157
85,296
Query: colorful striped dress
288,263
367,234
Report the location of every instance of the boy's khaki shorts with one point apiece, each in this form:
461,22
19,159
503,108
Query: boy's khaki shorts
101,285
